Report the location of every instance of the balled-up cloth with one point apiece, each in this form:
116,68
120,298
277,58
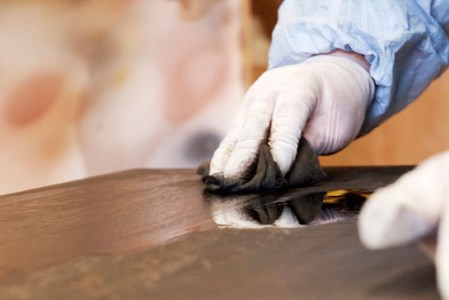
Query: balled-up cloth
265,176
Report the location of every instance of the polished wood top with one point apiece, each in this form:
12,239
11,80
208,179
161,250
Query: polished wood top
110,214
149,234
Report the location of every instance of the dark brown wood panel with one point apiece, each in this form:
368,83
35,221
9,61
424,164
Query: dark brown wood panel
148,234
320,262
116,213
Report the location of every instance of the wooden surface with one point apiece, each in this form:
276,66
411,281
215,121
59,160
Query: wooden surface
110,214
149,234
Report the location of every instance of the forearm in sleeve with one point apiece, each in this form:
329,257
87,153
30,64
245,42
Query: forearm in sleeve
405,43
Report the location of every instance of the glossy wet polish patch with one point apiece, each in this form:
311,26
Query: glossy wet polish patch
291,209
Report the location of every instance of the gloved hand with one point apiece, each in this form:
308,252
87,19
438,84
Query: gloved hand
324,98
412,209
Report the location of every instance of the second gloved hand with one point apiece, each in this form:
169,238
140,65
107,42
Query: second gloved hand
415,208
324,99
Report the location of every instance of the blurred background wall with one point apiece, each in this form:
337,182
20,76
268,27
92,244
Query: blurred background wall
90,87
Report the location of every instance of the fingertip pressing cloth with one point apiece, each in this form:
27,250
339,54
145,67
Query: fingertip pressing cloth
265,176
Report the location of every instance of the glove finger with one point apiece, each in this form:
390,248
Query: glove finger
252,134
225,149
290,115
407,210
442,253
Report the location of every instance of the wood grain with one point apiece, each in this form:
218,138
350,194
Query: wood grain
148,234
116,213
321,262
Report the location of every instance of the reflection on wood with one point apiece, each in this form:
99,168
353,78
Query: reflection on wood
116,213
148,234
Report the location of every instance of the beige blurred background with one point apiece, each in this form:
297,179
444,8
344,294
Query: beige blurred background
422,129
92,87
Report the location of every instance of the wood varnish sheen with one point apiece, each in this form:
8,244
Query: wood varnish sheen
149,234
116,214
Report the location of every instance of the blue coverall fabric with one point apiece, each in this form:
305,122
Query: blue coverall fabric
405,42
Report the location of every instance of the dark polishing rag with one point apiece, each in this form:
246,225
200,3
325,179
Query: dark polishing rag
265,176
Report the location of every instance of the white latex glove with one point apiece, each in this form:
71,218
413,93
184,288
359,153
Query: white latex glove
324,98
411,210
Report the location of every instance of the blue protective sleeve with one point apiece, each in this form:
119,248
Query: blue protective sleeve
405,42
